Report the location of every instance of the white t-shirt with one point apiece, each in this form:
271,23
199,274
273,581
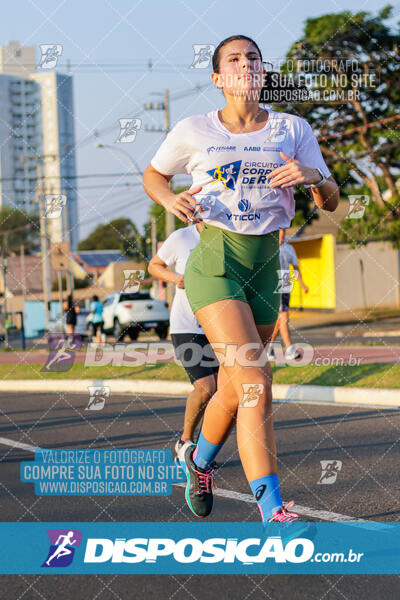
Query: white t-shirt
175,251
233,168
288,256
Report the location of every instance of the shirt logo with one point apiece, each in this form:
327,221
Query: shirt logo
244,205
221,149
227,174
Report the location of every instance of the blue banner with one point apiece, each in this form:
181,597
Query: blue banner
206,547
99,472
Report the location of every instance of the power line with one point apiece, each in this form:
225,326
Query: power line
86,176
177,96
114,209
131,66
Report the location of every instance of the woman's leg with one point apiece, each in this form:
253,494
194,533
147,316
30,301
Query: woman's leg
232,322
196,403
246,394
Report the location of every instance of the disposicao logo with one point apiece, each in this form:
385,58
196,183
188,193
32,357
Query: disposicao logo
191,550
62,547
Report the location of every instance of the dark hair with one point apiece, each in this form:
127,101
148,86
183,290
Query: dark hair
232,38
273,82
95,298
70,301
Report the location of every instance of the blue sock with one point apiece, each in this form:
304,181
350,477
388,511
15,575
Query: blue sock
205,452
267,494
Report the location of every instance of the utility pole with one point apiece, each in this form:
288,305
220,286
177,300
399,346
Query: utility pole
153,236
44,242
4,273
170,218
65,238
60,295
23,273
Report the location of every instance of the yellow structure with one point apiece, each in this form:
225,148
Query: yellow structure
316,256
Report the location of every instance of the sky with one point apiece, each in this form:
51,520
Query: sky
109,44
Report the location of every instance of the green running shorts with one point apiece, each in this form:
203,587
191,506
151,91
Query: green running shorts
228,264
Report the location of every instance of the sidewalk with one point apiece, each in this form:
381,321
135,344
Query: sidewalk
311,319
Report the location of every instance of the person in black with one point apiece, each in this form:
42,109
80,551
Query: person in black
72,310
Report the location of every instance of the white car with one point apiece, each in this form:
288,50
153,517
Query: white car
130,313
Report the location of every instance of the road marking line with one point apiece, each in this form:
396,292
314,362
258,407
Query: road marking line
8,442
323,515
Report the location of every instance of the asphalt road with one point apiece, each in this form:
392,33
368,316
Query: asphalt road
367,487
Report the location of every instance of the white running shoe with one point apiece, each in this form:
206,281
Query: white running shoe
271,354
292,353
180,449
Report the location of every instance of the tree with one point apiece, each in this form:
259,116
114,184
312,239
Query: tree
18,227
377,223
357,133
120,234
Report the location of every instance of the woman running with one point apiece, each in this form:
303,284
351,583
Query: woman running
187,335
232,274
71,310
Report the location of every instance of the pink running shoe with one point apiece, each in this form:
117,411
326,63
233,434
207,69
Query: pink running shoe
291,526
283,515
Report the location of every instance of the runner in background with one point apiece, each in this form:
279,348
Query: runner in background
187,335
71,310
97,321
287,255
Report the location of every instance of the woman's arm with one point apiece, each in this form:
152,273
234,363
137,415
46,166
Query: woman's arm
300,279
295,173
183,205
158,269
327,196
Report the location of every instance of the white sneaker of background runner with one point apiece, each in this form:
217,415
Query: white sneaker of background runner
292,353
180,450
271,354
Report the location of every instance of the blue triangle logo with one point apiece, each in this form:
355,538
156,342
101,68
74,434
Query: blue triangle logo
227,174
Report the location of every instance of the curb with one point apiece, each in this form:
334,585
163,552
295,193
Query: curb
288,393
342,323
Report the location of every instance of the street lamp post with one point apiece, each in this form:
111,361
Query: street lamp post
125,153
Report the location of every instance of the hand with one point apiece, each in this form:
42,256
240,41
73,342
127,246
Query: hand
184,206
180,282
293,173
305,288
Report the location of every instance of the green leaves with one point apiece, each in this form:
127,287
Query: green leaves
359,135
19,228
120,234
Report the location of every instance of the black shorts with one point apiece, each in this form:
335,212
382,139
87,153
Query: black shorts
196,355
96,326
285,299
